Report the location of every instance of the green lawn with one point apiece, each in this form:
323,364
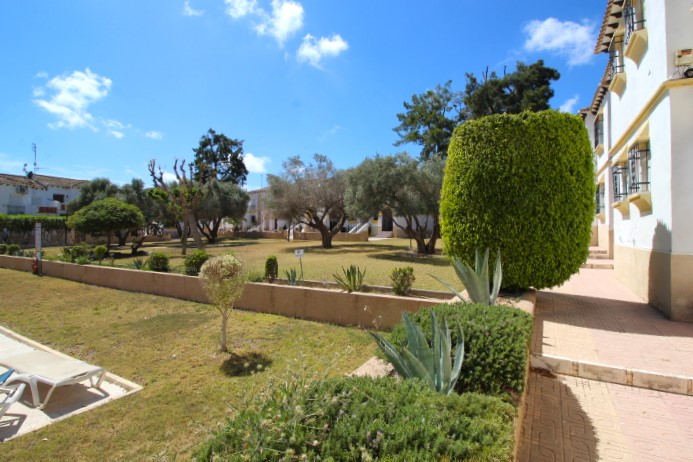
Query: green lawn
169,347
378,258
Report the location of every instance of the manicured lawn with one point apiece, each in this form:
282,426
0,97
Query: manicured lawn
379,258
169,347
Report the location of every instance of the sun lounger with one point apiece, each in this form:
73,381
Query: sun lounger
11,393
54,370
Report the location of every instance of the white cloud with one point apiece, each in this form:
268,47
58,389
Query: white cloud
565,38
170,177
330,133
255,164
41,75
239,8
569,105
116,134
154,135
313,50
190,11
71,97
286,19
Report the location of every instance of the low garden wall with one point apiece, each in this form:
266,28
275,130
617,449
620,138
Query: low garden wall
369,310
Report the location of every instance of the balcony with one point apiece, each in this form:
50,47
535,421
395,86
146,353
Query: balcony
617,75
16,210
636,33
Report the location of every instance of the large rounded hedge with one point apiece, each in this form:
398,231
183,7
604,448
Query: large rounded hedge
523,184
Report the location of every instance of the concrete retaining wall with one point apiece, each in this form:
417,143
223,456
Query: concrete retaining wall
368,310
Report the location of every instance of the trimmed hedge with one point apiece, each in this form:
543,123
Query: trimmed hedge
360,418
525,184
158,261
194,262
496,339
28,222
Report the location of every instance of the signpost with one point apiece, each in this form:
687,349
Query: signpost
299,255
36,267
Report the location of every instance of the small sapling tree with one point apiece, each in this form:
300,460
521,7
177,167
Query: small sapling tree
224,278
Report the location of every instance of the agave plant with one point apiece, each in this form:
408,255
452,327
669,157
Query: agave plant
433,363
292,277
475,279
352,281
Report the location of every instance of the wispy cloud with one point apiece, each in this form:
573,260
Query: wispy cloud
70,98
313,50
329,133
565,38
114,128
569,105
285,20
154,135
190,11
256,164
239,8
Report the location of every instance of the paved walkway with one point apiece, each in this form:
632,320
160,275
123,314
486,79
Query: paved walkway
594,328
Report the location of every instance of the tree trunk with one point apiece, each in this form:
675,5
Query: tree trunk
192,226
222,337
184,239
326,239
122,237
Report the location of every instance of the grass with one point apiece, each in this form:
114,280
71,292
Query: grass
379,258
169,347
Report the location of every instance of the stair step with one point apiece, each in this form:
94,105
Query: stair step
599,263
598,256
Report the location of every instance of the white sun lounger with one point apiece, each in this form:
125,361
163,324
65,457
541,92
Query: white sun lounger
54,370
11,393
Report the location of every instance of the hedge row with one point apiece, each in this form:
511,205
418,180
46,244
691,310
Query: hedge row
23,223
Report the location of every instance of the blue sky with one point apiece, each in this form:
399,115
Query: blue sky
103,87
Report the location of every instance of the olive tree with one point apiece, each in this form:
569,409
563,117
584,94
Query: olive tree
224,278
107,215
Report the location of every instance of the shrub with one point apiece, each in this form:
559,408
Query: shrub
137,264
292,277
255,276
402,280
360,418
475,280
496,339
352,281
14,249
100,252
72,253
224,278
194,262
271,268
29,253
523,183
3,249
158,261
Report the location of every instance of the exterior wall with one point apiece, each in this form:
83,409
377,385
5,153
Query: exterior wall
29,202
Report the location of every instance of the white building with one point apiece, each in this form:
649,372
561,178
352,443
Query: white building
36,194
641,124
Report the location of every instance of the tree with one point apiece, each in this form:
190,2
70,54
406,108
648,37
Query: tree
224,279
135,193
220,157
185,195
311,194
429,120
404,187
106,215
94,190
220,200
526,89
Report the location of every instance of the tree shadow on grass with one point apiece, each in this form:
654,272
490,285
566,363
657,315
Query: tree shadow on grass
346,249
165,323
244,364
408,257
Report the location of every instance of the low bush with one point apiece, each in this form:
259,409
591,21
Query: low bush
402,280
158,261
72,253
100,252
3,249
14,249
194,262
271,268
496,339
360,418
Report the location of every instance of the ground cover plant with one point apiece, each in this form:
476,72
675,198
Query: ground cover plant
357,418
169,347
380,257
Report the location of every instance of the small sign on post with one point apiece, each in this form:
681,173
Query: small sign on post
299,255
36,265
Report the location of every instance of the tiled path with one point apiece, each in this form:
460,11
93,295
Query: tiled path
593,318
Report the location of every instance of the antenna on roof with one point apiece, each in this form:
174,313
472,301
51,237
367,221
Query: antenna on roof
33,147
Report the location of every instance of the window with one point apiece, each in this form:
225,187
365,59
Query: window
639,167
598,130
616,64
620,177
633,18
599,199
59,197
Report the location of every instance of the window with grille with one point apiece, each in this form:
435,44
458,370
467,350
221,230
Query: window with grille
633,17
620,177
616,64
639,167
598,130
599,198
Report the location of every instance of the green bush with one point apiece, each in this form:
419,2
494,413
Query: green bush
158,261
14,249
402,280
359,418
194,262
100,252
525,184
3,249
271,268
496,339
24,223
72,253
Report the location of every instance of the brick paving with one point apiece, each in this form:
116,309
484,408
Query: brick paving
594,318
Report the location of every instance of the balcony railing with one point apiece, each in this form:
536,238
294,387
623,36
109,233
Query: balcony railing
16,210
632,16
639,168
620,176
616,63
598,131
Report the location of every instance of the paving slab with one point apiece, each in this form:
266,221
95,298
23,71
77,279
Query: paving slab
593,318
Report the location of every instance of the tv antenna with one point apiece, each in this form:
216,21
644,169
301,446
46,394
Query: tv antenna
33,148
